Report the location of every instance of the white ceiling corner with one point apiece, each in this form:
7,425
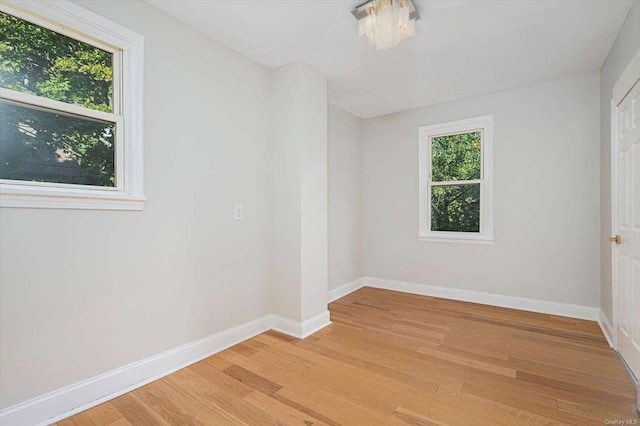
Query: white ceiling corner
461,48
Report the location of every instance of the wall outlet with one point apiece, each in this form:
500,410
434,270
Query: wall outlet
238,212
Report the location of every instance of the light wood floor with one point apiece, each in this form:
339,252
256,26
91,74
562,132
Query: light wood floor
396,359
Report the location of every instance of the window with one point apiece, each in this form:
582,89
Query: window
70,109
456,199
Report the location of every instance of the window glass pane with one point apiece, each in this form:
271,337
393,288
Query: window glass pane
45,63
455,208
44,146
456,157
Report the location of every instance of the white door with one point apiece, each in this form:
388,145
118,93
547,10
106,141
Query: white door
626,129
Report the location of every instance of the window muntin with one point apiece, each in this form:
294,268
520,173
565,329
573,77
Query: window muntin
456,181
93,93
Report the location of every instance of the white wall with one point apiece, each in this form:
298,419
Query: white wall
346,256
546,171
314,189
83,292
623,49
287,221
299,161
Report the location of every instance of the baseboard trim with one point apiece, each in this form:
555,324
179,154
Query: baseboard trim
606,327
345,289
286,326
64,402
522,303
316,323
300,329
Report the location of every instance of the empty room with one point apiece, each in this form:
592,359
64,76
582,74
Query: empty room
319,212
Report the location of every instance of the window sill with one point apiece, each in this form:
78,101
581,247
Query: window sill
39,198
453,238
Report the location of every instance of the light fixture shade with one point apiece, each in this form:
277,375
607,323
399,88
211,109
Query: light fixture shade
386,22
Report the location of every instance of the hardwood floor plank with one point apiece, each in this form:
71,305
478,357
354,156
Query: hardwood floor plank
242,409
602,349
574,359
493,348
136,412
527,401
292,354
154,395
341,410
542,329
220,379
584,377
415,419
370,366
498,412
527,390
218,362
597,414
440,410
280,371
192,382
120,422
104,414
304,408
395,358
205,411
594,393
367,389
470,362
287,412
252,380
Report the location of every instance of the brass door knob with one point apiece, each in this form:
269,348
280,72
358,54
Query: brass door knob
617,239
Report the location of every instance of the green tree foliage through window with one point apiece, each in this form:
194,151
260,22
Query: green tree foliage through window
38,144
456,207
456,157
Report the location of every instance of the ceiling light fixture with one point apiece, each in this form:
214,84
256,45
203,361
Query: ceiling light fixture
386,22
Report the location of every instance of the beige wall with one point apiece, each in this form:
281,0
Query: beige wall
346,257
623,49
83,292
546,215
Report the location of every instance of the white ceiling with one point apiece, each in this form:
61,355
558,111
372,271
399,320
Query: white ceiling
461,48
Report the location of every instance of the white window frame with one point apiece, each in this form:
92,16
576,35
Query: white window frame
483,124
127,47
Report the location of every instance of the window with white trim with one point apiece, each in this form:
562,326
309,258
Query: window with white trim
70,109
456,181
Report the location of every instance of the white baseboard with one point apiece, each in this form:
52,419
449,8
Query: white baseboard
606,327
525,304
345,289
300,329
314,324
61,403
